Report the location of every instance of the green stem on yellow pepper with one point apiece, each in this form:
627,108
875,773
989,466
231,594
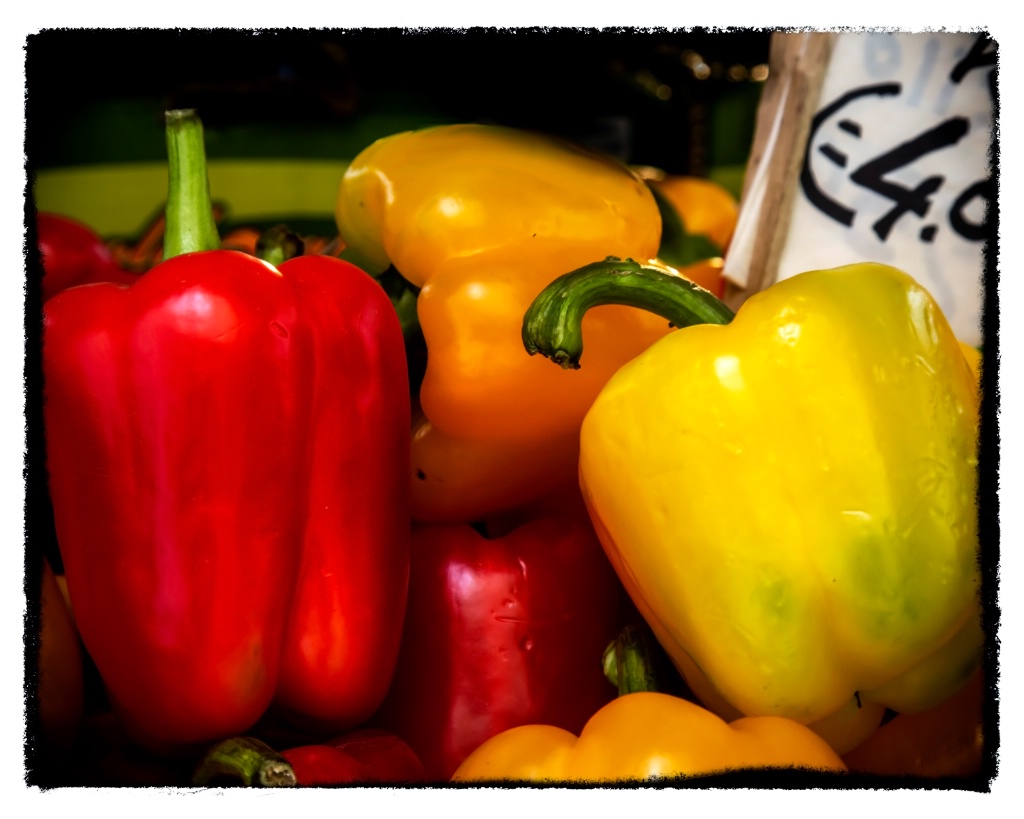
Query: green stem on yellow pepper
189,224
552,325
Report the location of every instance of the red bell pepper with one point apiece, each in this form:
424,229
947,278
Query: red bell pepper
945,741
317,765
365,756
501,632
74,254
228,456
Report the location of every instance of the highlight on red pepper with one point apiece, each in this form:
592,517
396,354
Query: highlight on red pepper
72,254
228,455
501,630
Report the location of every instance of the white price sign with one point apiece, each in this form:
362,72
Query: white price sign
896,167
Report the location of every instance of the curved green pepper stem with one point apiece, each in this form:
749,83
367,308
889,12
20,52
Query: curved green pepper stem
189,224
552,325
627,662
244,761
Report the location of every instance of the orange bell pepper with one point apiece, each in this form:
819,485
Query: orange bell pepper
698,219
480,219
647,735
706,208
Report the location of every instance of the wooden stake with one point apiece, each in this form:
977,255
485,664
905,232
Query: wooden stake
798,63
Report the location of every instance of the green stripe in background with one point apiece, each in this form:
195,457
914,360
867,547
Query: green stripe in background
120,200
106,165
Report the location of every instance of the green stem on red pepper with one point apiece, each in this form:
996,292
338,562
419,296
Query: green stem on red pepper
244,761
628,664
552,325
189,223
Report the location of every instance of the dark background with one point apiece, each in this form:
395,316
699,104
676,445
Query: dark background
100,95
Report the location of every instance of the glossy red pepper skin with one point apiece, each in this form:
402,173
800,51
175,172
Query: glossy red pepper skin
74,254
228,455
366,755
320,765
500,632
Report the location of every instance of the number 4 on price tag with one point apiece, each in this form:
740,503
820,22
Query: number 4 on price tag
874,147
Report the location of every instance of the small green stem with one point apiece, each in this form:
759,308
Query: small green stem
552,325
279,244
189,224
244,761
404,297
627,662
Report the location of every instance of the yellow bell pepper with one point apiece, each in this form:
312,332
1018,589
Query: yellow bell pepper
480,219
790,498
647,735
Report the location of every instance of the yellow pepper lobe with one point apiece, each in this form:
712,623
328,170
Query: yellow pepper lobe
420,199
790,498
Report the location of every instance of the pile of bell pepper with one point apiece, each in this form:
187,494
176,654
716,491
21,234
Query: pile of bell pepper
289,563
